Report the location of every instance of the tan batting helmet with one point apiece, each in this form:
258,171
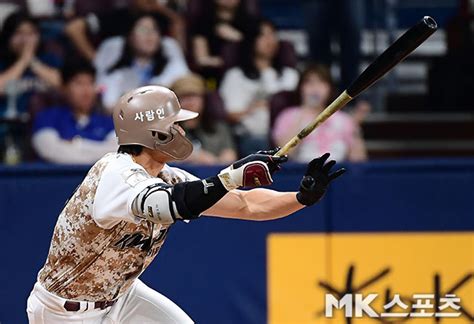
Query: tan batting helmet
146,116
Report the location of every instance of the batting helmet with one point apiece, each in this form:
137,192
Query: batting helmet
146,116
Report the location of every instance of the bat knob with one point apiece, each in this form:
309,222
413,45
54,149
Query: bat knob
430,22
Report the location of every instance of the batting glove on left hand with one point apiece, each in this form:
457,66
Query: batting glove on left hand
316,180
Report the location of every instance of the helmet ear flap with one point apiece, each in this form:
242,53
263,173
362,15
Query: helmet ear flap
179,147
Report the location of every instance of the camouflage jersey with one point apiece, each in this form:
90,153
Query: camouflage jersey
93,260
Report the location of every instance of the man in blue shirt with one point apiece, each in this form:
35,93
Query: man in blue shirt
74,133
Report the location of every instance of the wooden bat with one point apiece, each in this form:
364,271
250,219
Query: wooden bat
400,49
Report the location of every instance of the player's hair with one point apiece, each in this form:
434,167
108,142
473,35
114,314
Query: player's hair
73,67
130,149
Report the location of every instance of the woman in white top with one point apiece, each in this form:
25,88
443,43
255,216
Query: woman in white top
245,89
146,58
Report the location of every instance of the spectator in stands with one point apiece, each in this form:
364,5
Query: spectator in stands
24,67
117,22
170,10
245,89
451,76
340,134
146,58
225,21
212,139
340,20
74,133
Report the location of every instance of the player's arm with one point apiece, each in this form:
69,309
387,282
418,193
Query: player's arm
255,204
165,204
265,204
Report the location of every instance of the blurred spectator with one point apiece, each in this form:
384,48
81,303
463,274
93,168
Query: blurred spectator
451,77
342,20
45,8
24,67
117,22
6,9
84,7
340,134
212,139
169,10
74,133
245,89
146,58
223,22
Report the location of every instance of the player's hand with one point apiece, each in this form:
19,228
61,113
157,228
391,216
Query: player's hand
274,163
318,176
253,170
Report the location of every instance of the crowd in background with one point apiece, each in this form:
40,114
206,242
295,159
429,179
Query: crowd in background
221,57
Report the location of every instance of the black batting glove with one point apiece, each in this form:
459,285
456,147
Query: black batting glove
274,163
318,176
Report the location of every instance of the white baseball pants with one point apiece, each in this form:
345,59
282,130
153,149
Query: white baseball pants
140,304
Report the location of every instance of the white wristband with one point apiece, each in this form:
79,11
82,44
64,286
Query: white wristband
230,178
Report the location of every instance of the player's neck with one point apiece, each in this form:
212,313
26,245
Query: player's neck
152,166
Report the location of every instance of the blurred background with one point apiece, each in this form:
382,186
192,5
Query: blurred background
257,71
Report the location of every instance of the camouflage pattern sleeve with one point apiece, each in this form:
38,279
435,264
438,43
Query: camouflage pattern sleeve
119,184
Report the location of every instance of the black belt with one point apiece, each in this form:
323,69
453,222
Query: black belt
73,306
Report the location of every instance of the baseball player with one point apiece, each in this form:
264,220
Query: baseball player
118,218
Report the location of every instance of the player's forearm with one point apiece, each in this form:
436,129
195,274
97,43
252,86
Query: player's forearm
266,204
256,204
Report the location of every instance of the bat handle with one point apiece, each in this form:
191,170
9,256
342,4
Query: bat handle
288,146
337,104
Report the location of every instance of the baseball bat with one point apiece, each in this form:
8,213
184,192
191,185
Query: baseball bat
400,49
